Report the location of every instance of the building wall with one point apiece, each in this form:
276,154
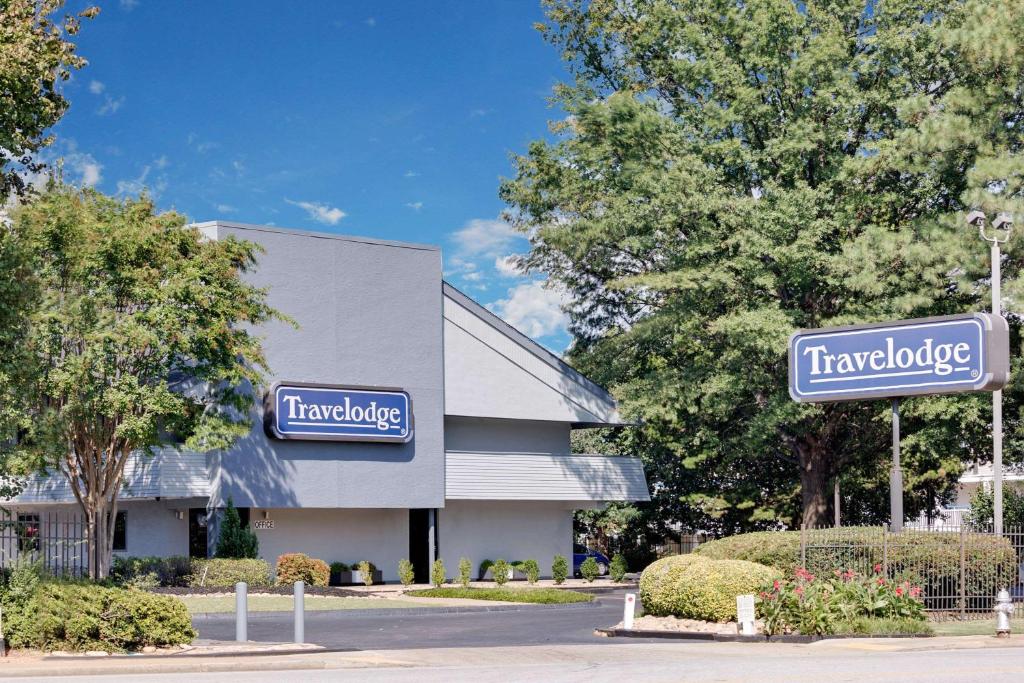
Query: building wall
337,535
488,530
486,435
368,313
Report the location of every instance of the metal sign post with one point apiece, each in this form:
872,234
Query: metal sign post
896,474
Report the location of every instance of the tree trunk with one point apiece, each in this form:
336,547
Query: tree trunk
815,474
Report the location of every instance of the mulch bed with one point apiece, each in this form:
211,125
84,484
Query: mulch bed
328,591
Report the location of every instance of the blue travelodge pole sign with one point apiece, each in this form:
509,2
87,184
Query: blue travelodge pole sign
923,356
322,412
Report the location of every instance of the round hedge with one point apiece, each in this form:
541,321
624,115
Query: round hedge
694,587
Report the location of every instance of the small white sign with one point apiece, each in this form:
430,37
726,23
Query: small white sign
630,608
745,614
263,524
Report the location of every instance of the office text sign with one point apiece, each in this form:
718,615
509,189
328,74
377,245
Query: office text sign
941,355
338,413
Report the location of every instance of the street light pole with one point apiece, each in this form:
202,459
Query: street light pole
1000,234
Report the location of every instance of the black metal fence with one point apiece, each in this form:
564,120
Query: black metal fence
959,569
58,540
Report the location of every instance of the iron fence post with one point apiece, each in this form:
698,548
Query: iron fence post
885,552
962,593
803,546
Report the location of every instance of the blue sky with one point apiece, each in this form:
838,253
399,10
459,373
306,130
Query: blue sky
386,119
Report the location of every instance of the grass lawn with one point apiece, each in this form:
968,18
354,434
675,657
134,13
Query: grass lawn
284,603
979,627
545,596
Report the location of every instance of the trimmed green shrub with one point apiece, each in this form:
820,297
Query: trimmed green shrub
227,573
437,573
559,569
337,569
929,559
618,568
235,541
465,567
544,596
499,570
292,567
406,574
135,571
589,569
366,570
531,569
694,587
82,616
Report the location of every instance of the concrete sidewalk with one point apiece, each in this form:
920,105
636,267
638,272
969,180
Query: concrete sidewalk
787,659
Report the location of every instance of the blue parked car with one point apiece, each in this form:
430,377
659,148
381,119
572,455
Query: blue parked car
581,553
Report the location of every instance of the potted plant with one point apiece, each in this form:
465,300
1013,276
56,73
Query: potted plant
376,576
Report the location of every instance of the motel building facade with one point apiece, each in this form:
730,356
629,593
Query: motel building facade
401,420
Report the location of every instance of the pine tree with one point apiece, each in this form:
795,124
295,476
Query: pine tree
235,541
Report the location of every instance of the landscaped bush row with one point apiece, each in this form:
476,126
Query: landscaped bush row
931,560
60,615
694,587
153,572
548,596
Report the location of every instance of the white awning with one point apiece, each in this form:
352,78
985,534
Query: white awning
541,476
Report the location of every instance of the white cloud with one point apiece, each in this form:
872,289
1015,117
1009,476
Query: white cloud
485,237
371,22
129,5
96,87
478,112
508,266
321,213
89,172
411,174
225,208
161,162
533,308
238,166
110,105
415,206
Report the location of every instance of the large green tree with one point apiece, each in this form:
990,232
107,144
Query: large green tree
133,332
731,171
35,58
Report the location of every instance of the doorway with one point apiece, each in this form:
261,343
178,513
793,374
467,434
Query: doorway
419,543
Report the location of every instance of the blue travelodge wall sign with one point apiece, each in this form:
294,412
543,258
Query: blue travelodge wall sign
939,355
321,412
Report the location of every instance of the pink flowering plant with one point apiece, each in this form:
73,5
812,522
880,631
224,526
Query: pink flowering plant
812,605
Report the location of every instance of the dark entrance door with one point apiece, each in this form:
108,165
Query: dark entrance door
419,543
197,532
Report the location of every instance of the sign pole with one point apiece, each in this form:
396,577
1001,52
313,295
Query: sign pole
997,410
896,475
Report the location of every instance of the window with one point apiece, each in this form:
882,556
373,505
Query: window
28,532
120,529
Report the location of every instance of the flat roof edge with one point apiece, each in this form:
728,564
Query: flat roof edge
315,234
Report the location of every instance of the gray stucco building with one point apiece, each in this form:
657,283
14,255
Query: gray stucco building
487,471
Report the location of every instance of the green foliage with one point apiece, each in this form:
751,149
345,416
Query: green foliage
119,310
812,605
82,616
589,569
618,568
931,560
546,596
532,570
465,567
235,542
405,572
168,571
292,567
227,573
694,587
342,567
24,579
982,504
499,572
868,626
36,57
727,172
437,573
559,569
366,570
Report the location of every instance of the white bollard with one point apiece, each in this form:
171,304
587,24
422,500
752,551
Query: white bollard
628,611
299,591
241,611
745,614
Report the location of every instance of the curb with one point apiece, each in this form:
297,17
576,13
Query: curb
731,638
395,611
185,655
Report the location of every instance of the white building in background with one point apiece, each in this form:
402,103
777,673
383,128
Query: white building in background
976,477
